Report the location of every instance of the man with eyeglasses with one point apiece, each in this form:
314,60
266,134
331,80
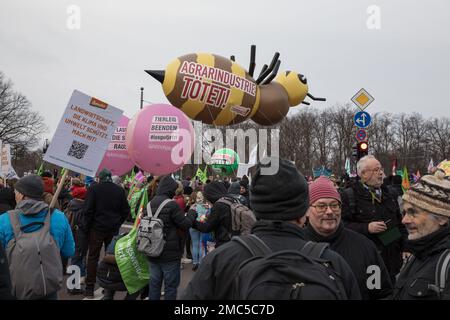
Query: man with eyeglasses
370,209
324,225
426,215
281,215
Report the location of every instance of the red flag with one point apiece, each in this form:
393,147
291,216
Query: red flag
394,167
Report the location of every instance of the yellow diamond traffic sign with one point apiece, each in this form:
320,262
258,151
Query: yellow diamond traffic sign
362,99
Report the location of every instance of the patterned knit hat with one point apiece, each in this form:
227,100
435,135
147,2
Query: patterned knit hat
322,187
431,193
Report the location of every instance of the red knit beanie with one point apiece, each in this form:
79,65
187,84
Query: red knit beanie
79,192
48,184
322,187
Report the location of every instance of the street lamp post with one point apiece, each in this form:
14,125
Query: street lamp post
46,144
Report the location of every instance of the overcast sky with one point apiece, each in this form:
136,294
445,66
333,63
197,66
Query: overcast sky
405,64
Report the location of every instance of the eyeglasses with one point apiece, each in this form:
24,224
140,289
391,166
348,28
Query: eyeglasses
322,207
377,170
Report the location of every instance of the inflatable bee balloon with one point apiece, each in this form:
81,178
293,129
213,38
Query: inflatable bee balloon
218,91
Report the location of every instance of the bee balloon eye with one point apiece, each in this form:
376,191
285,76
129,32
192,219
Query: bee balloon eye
218,91
302,78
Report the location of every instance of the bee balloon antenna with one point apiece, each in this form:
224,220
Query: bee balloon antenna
307,103
251,68
269,69
314,98
263,69
232,58
273,74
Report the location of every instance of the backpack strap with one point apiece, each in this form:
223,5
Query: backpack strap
314,249
46,227
253,244
158,211
441,274
18,228
15,223
350,193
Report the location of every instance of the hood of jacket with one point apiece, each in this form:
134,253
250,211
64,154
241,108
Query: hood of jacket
76,204
214,191
167,187
235,188
30,206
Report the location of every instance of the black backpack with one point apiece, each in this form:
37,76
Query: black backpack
286,275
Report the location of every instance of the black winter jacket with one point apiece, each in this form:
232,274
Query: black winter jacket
360,253
5,280
415,278
106,207
175,222
219,219
214,280
76,207
366,210
7,199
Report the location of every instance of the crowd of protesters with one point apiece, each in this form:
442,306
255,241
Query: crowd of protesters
373,239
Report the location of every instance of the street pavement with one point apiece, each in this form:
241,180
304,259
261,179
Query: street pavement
186,275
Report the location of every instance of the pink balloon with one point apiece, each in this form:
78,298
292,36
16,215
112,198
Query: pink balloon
160,139
116,158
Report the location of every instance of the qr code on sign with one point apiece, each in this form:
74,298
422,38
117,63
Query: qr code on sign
77,149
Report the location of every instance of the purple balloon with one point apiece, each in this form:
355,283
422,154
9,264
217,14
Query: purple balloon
116,158
160,139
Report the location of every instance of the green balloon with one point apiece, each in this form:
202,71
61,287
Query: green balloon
225,161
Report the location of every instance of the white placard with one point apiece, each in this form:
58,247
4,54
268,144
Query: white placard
11,174
243,169
83,134
6,159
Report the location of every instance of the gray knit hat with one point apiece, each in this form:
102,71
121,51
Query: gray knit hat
431,193
31,186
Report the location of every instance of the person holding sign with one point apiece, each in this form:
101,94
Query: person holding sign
106,210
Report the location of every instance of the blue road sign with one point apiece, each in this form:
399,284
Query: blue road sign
362,119
361,135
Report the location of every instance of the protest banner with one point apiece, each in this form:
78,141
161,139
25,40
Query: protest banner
83,134
243,169
6,159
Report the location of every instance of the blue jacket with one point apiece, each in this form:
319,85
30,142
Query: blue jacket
59,229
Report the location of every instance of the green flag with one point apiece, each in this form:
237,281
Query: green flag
405,180
132,190
144,200
201,174
41,169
